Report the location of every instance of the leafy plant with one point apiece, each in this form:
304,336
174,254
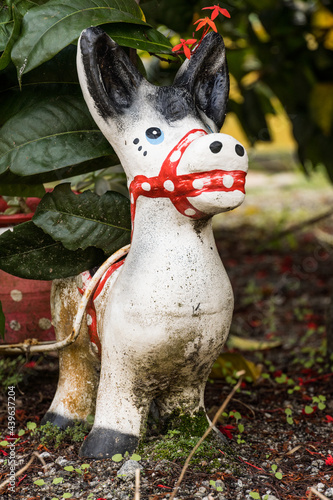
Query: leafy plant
119,457
288,412
213,484
47,133
11,372
52,435
256,496
277,474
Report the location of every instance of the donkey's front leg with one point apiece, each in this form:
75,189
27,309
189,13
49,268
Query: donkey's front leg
78,366
121,412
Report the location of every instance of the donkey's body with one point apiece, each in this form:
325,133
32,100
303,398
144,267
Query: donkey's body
165,314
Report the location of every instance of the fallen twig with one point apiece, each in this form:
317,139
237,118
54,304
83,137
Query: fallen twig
320,495
137,485
208,430
26,467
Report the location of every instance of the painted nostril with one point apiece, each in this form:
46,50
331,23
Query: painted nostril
239,150
216,146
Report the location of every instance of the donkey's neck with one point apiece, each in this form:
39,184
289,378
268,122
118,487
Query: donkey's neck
158,224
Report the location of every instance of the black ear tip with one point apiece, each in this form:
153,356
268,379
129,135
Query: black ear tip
90,36
214,39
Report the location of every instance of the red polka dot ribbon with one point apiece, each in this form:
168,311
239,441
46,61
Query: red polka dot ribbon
178,188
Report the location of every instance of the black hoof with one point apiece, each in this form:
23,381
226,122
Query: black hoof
104,443
58,420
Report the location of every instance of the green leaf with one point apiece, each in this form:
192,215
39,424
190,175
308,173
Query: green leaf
139,37
84,220
274,467
55,138
28,252
308,410
21,190
66,495
90,420
6,24
4,443
278,475
31,425
69,468
57,480
51,27
85,466
16,25
135,457
39,482
2,323
255,495
117,458
21,432
54,78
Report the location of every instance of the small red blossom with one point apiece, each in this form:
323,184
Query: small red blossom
216,11
329,418
226,430
329,460
162,486
4,453
203,22
183,45
31,364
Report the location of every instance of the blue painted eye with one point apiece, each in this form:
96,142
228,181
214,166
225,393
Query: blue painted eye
154,135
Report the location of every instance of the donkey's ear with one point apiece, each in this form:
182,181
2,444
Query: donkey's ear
108,79
206,76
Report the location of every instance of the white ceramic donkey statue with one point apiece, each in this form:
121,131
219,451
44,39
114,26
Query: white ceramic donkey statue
164,315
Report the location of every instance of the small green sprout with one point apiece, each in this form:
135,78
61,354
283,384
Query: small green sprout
213,484
39,482
119,457
288,412
278,475
57,480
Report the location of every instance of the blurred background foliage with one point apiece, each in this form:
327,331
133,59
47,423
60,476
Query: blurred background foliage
280,57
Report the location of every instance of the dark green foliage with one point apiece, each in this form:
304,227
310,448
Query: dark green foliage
11,373
51,435
84,220
188,425
27,252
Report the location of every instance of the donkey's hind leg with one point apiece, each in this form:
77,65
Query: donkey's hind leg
78,366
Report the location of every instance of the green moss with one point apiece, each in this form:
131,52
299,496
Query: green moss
182,431
188,425
52,435
176,446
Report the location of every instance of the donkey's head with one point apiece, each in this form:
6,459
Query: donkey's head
167,137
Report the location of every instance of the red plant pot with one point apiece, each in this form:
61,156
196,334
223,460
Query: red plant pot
25,303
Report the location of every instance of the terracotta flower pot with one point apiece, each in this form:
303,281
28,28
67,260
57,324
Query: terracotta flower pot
25,303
